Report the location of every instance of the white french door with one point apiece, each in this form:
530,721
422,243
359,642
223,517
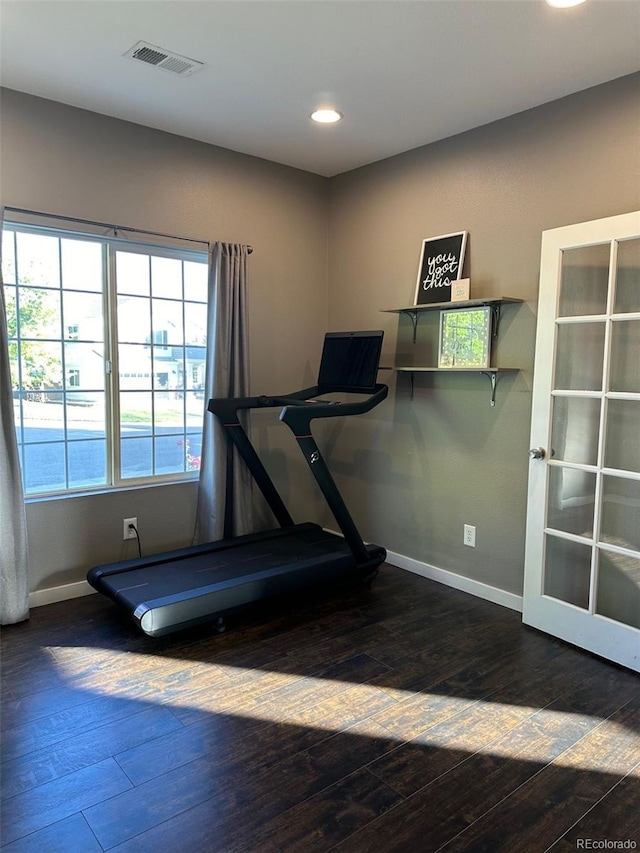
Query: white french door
582,565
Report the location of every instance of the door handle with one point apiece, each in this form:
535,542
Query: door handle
537,453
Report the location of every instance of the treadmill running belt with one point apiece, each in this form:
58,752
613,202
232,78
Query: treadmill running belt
180,590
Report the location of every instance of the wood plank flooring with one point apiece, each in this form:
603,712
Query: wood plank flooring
402,717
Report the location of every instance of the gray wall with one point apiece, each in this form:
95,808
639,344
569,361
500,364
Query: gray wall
71,162
413,471
446,458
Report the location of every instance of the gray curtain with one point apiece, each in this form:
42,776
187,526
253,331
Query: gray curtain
14,564
225,485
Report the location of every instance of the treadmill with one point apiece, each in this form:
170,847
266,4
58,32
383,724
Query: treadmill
173,590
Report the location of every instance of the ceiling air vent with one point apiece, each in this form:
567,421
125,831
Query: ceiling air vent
151,54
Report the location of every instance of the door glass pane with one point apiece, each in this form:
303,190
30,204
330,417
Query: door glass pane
628,277
575,428
579,354
622,449
620,512
584,280
567,571
618,595
625,356
571,500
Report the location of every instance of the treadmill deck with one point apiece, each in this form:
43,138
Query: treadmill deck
183,587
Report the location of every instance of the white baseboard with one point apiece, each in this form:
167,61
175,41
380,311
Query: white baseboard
59,593
481,590
477,588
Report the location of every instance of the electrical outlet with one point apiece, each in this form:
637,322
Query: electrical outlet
129,532
469,535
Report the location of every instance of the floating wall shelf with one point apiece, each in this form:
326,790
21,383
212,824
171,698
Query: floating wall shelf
491,372
495,303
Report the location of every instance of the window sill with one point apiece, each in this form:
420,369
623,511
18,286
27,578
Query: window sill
107,490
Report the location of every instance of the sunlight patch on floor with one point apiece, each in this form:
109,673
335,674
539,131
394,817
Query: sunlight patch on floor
498,729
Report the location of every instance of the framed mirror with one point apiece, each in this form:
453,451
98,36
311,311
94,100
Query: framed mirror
465,338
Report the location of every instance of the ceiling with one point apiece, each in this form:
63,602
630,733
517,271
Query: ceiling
404,74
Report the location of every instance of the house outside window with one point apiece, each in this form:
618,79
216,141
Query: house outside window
107,344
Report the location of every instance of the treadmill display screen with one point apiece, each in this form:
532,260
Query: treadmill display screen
350,361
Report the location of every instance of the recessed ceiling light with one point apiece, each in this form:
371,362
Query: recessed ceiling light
326,116
564,4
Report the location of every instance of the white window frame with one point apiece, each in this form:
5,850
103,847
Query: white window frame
114,479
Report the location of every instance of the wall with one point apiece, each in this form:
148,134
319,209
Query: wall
72,162
427,466
412,471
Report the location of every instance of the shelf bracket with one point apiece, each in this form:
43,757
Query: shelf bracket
495,320
493,380
411,383
413,316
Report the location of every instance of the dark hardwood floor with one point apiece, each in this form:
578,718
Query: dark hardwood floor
402,717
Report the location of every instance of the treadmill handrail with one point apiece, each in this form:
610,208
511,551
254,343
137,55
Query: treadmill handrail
226,408
298,418
299,404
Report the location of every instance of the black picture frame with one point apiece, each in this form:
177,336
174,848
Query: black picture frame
441,262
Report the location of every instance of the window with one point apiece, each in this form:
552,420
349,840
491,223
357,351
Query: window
107,343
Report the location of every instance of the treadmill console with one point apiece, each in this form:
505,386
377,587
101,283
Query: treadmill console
350,361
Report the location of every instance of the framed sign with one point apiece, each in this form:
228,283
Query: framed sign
465,337
441,263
